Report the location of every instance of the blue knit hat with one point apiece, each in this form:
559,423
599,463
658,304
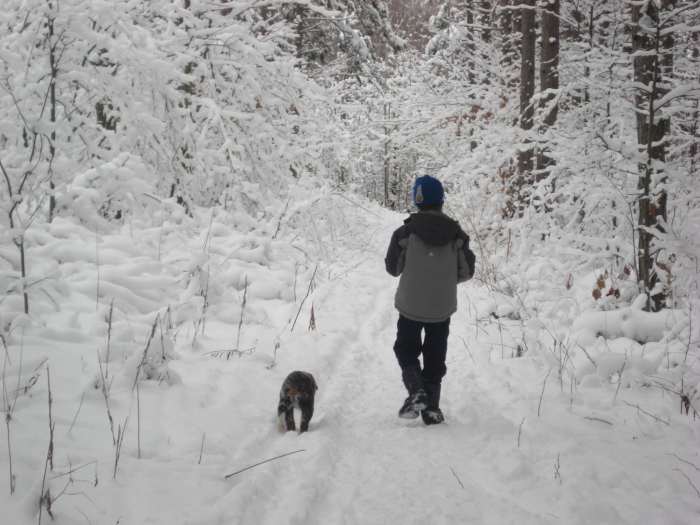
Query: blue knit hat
427,191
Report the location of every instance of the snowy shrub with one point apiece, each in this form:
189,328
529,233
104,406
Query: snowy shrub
112,190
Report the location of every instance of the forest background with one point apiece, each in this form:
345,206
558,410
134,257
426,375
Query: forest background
566,133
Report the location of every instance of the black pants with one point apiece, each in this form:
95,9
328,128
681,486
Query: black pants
409,346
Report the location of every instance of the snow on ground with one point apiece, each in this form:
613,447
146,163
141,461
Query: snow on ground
520,445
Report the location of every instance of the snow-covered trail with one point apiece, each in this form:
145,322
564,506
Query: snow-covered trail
509,452
361,463
494,461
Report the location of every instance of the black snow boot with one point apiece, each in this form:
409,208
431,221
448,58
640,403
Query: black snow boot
432,415
417,399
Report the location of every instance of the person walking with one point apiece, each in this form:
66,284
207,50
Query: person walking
431,255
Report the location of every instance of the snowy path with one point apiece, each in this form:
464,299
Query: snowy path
363,465
590,460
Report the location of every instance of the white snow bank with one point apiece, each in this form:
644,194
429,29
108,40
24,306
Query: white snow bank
643,327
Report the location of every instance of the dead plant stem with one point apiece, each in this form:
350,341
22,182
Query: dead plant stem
308,291
240,320
263,462
544,384
52,425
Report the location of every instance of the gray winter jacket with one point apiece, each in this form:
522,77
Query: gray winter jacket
431,254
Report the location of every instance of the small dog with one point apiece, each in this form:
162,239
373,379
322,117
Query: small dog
298,391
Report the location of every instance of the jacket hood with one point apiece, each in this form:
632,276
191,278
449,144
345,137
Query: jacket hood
434,228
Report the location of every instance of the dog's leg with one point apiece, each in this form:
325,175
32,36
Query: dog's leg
307,411
283,410
289,418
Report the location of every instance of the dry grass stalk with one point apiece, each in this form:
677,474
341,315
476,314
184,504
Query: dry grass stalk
144,357
75,417
109,336
619,379
138,421
544,384
201,449
52,424
308,291
121,432
105,395
8,407
557,469
312,319
240,320
520,430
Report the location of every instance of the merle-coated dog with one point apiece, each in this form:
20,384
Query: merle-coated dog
298,391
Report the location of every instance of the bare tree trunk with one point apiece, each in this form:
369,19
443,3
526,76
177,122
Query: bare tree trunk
53,64
505,22
694,128
651,62
527,81
549,72
549,62
387,163
470,43
486,20
485,23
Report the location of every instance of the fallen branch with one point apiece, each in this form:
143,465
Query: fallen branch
263,462
657,418
689,481
227,353
457,477
73,470
684,461
600,420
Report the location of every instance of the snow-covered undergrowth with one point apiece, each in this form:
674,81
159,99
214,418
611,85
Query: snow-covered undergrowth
588,324
127,325
166,339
